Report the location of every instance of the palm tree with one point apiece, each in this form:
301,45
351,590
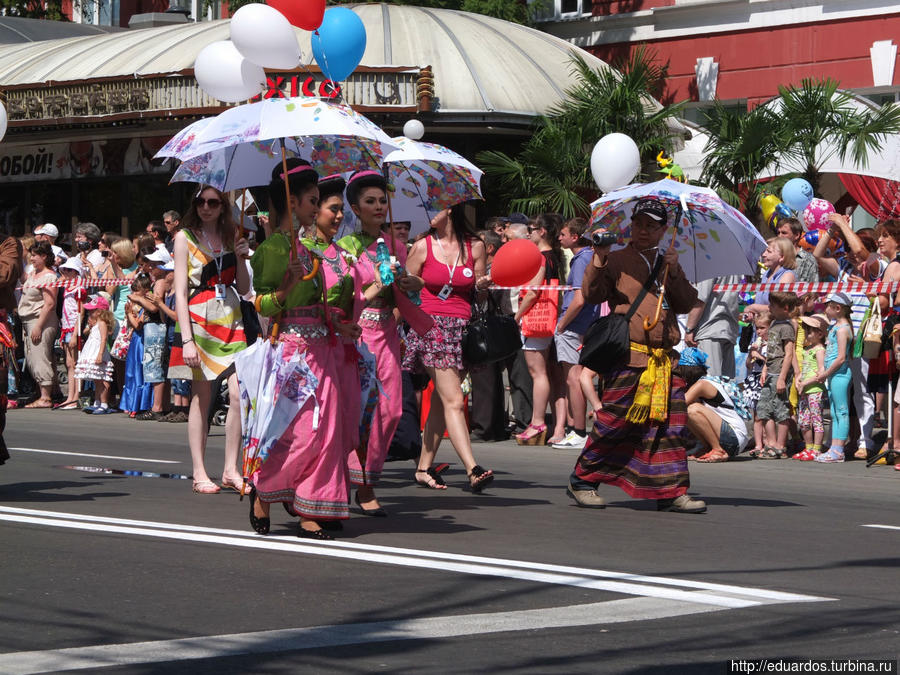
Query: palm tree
740,146
817,120
552,172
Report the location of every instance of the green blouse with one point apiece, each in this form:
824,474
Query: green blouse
270,263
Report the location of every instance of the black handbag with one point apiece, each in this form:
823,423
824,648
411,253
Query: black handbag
490,336
607,342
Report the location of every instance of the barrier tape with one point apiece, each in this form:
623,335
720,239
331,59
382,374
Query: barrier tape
78,283
799,287
532,288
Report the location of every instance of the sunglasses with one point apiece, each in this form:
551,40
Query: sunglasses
213,203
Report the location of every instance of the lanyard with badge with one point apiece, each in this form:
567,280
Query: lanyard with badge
220,288
447,289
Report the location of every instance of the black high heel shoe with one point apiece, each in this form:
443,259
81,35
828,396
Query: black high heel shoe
260,525
480,478
331,525
319,534
376,513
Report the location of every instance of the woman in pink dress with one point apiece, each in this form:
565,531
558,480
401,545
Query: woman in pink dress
306,467
367,195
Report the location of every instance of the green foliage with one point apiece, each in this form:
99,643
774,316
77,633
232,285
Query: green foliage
517,11
34,9
816,113
803,127
552,172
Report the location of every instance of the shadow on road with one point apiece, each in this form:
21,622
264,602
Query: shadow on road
35,492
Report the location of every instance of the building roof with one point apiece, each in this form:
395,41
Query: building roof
16,30
481,64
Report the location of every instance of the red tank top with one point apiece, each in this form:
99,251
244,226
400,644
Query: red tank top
437,274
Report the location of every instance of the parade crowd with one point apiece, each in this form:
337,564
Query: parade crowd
193,300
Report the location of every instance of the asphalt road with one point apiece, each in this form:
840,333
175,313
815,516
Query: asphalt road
136,574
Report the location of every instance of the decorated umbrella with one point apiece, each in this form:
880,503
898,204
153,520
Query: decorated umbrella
273,391
427,178
237,148
711,237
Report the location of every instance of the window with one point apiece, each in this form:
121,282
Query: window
547,10
569,6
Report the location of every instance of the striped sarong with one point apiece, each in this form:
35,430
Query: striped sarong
648,461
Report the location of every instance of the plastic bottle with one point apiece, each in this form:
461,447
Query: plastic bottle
383,258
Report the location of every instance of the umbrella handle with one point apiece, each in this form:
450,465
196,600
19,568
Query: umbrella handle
650,324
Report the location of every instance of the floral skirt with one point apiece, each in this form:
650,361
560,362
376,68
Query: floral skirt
440,347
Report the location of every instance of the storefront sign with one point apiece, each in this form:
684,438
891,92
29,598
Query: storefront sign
138,98
81,159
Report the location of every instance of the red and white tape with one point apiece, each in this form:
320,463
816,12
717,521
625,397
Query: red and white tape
799,287
78,283
536,287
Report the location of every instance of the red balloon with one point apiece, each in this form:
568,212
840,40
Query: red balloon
516,263
305,14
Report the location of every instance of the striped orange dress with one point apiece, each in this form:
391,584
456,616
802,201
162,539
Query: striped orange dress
216,323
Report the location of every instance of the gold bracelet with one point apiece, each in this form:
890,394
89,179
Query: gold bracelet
275,302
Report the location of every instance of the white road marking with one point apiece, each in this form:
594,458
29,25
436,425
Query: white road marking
721,595
884,527
88,454
291,639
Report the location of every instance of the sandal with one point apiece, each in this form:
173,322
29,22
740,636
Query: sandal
771,453
714,456
861,453
434,482
807,455
148,416
480,478
206,487
236,484
834,455
40,403
67,405
755,452
533,435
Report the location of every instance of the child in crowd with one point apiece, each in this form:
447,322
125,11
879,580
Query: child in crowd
70,329
774,407
94,363
756,365
137,395
837,373
809,384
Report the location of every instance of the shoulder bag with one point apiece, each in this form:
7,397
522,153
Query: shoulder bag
607,342
490,336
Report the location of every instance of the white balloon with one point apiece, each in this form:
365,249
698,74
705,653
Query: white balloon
224,74
4,120
615,161
414,130
264,36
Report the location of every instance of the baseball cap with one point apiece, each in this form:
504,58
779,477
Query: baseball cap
160,255
839,298
652,207
97,302
49,229
692,356
519,218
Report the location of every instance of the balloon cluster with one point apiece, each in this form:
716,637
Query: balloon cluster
262,36
797,196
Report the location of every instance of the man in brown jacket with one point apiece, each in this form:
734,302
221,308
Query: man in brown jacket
10,271
636,443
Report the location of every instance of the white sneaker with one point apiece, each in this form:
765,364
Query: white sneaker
571,441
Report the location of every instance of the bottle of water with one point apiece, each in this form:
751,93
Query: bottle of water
383,258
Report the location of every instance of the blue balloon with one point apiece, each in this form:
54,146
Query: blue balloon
797,193
783,211
339,43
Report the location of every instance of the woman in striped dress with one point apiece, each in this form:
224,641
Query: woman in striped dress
210,276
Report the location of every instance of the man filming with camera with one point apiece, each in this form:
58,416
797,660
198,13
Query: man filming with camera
636,443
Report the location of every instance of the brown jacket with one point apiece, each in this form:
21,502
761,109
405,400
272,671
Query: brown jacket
10,270
620,281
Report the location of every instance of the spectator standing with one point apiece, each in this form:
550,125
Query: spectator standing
40,324
70,329
712,325
87,239
805,268
50,233
773,406
779,260
837,373
94,362
812,392
172,221
575,317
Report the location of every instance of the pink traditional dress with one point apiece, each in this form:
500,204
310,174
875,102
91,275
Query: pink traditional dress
306,466
379,333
